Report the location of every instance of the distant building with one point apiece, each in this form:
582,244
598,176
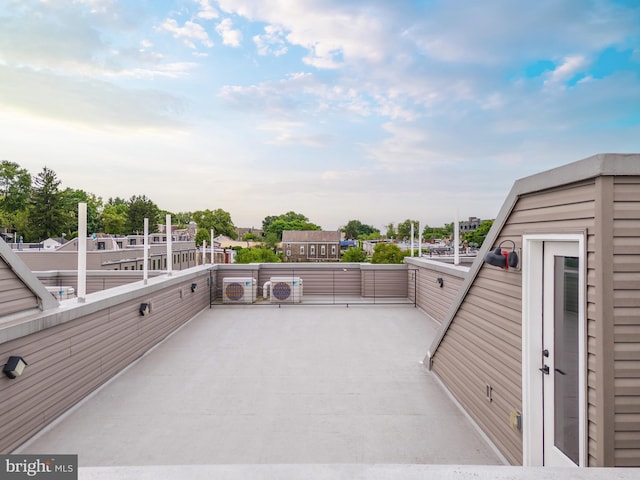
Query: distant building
256,232
470,225
311,245
109,252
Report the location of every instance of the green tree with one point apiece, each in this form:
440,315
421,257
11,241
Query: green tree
287,221
387,253
181,219
355,229
113,216
271,240
438,232
218,219
479,234
256,255
15,187
140,207
203,235
391,231
47,207
354,254
72,198
404,229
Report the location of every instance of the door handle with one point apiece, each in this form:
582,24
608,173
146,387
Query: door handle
545,369
560,371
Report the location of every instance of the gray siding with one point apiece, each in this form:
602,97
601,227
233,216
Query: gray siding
69,360
97,280
330,279
383,282
428,295
15,296
626,319
483,343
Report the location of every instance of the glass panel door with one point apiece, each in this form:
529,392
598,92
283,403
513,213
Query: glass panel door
566,364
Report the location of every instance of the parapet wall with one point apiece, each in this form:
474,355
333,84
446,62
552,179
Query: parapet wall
73,349
429,294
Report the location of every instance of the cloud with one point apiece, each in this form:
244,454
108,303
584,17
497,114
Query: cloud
207,11
272,42
331,32
88,103
564,72
188,33
229,36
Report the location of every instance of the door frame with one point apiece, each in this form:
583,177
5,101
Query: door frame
532,293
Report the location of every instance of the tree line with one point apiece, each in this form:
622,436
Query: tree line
36,208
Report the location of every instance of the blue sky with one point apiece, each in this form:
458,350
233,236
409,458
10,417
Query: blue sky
378,111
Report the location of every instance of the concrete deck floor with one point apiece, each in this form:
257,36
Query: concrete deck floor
268,385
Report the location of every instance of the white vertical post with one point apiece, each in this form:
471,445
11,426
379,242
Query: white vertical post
145,256
204,252
213,258
411,238
169,245
82,251
419,241
456,240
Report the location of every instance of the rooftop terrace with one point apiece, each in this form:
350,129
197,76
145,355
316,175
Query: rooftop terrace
268,385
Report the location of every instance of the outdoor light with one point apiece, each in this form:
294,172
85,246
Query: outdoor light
14,367
502,258
440,281
145,308
193,287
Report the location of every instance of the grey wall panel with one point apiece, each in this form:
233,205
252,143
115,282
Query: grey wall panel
484,340
15,296
626,320
69,360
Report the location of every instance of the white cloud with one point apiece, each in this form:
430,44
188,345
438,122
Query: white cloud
272,41
570,66
229,35
332,33
188,33
207,11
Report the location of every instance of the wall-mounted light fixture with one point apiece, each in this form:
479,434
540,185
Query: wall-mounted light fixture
440,281
502,258
193,287
14,367
145,309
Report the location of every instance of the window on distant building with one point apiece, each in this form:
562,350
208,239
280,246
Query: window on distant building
333,250
132,241
288,253
312,250
323,250
101,246
301,249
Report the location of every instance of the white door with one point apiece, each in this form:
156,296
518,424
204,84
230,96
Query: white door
561,361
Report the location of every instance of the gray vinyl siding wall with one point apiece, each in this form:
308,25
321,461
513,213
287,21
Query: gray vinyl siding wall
69,360
427,294
625,300
15,296
483,345
97,280
339,279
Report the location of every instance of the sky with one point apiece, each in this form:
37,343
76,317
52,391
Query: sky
378,111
